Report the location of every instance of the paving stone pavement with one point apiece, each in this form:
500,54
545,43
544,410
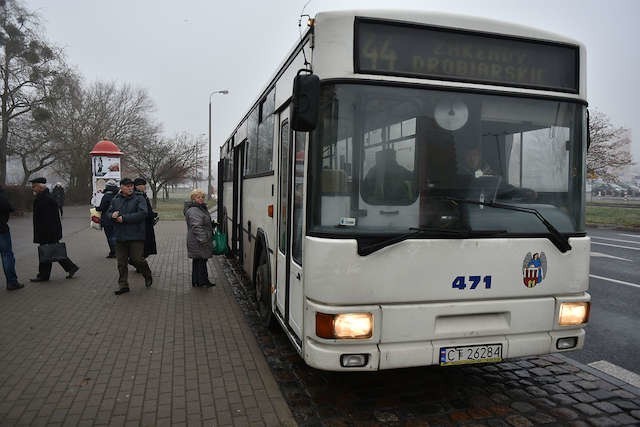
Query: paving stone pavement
550,390
73,353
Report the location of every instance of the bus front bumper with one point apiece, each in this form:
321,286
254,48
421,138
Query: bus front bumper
339,357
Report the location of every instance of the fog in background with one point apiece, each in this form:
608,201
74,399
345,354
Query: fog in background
181,51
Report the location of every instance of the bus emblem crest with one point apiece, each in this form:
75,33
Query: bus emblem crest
534,269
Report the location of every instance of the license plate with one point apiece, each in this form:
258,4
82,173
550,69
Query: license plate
461,355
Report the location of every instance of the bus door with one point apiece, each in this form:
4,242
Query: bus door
289,290
236,231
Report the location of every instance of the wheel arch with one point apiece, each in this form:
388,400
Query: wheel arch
261,245
263,280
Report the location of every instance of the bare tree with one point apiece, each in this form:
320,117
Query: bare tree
165,161
198,153
28,65
31,145
608,151
102,111
30,136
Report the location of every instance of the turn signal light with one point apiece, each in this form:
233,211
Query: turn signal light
344,325
573,313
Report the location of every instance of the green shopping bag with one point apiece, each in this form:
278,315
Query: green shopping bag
220,243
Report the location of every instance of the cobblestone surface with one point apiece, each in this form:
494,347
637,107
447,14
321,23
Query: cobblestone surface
73,353
550,390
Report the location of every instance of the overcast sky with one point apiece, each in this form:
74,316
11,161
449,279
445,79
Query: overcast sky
180,51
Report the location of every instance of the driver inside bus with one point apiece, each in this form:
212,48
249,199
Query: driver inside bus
472,166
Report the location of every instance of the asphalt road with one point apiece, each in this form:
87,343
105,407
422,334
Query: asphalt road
613,333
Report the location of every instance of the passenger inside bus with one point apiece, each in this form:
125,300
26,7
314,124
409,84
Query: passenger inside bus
388,182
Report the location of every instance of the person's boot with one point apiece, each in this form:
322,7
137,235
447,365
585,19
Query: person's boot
14,286
122,291
73,271
148,281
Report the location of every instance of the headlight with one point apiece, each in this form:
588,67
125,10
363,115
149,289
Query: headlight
573,313
344,325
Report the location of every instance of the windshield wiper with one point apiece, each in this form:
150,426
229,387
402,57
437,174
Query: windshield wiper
561,242
366,249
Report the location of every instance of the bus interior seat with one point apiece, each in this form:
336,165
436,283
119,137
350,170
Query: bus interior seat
332,181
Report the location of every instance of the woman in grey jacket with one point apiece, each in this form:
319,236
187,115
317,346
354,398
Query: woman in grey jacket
199,238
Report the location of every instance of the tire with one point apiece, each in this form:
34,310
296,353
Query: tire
263,292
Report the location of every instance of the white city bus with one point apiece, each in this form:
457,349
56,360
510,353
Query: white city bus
408,189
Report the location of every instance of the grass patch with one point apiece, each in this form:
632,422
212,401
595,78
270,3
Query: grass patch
171,209
613,216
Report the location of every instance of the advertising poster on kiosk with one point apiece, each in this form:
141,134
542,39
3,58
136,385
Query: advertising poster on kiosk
104,169
105,166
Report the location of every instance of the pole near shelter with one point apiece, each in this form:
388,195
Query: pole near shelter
223,92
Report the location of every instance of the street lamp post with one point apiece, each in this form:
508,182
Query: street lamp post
223,92
197,175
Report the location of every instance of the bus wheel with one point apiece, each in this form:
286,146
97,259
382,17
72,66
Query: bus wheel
263,291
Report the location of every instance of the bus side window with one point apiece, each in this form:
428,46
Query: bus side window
298,197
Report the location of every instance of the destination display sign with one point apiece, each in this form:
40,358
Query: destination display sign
399,49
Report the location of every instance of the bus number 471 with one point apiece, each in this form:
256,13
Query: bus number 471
461,282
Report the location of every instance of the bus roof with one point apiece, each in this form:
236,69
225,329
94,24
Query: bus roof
333,43
458,21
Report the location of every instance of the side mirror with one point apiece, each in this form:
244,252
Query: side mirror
305,101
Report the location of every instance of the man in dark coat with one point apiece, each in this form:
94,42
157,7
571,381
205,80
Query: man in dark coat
58,195
110,191
128,211
6,250
150,235
47,228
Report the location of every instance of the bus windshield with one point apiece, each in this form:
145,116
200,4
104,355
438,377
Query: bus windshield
385,160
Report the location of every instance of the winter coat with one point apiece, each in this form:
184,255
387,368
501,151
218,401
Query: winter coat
47,227
5,211
199,231
133,210
109,193
150,234
58,195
